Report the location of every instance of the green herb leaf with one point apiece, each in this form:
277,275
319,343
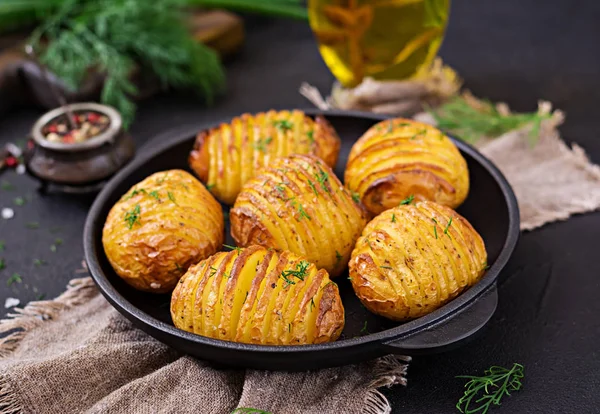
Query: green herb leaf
236,248
261,144
2,245
434,227
209,186
38,262
6,186
2,264
58,241
299,272
387,267
302,213
154,194
19,201
355,197
14,278
171,197
213,271
312,303
283,125
322,178
483,392
338,258
393,217
312,186
407,200
364,330
390,128
41,296
447,227
310,135
133,216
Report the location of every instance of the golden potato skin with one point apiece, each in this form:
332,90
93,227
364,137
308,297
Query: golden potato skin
229,155
298,204
412,259
178,223
399,157
249,295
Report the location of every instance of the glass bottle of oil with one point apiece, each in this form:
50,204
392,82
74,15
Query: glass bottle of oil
383,39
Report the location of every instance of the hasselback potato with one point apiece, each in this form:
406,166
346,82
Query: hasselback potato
229,155
298,204
160,227
260,296
400,157
412,259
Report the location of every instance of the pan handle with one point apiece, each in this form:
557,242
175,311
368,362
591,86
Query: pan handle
450,332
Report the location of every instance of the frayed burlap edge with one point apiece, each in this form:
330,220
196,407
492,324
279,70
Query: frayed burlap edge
16,326
389,370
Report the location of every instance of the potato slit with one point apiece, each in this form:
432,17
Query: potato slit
242,288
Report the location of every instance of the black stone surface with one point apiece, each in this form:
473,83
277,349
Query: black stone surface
514,51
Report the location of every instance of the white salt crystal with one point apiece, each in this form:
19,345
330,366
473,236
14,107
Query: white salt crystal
20,169
11,302
8,213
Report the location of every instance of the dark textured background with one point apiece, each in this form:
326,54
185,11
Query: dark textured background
514,51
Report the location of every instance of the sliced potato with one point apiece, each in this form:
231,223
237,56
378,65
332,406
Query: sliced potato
298,204
412,259
229,155
159,228
398,158
259,296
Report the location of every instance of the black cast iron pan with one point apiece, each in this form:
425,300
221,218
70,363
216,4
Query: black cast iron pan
491,207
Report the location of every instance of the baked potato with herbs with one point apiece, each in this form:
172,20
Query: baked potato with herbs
400,157
298,204
229,155
160,227
412,259
259,296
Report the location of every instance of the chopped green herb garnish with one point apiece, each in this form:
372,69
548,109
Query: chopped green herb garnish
226,275
312,303
245,298
280,187
236,248
322,178
289,327
310,135
387,267
312,186
434,227
179,268
407,200
162,178
171,197
33,225
19,201
364,330
355,197
485,266
6,186
154,194
302,213
14,278
135,192
390,126
338,258
2,245
209,186
38,262
41,296
331,282
447,227
133,216
2,264
488,390
58,241
213,271
262,144
283,125
393,217
299,272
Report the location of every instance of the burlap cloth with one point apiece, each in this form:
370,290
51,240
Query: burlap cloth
76,354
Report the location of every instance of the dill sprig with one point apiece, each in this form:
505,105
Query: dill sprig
322,177
483,392
407,200
283,125
299,272
133,216
471,119
261,144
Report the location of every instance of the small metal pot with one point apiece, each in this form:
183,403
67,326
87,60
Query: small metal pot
82,166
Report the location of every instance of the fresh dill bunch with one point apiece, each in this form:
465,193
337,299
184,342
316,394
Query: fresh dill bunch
471,119
114,37
483,392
